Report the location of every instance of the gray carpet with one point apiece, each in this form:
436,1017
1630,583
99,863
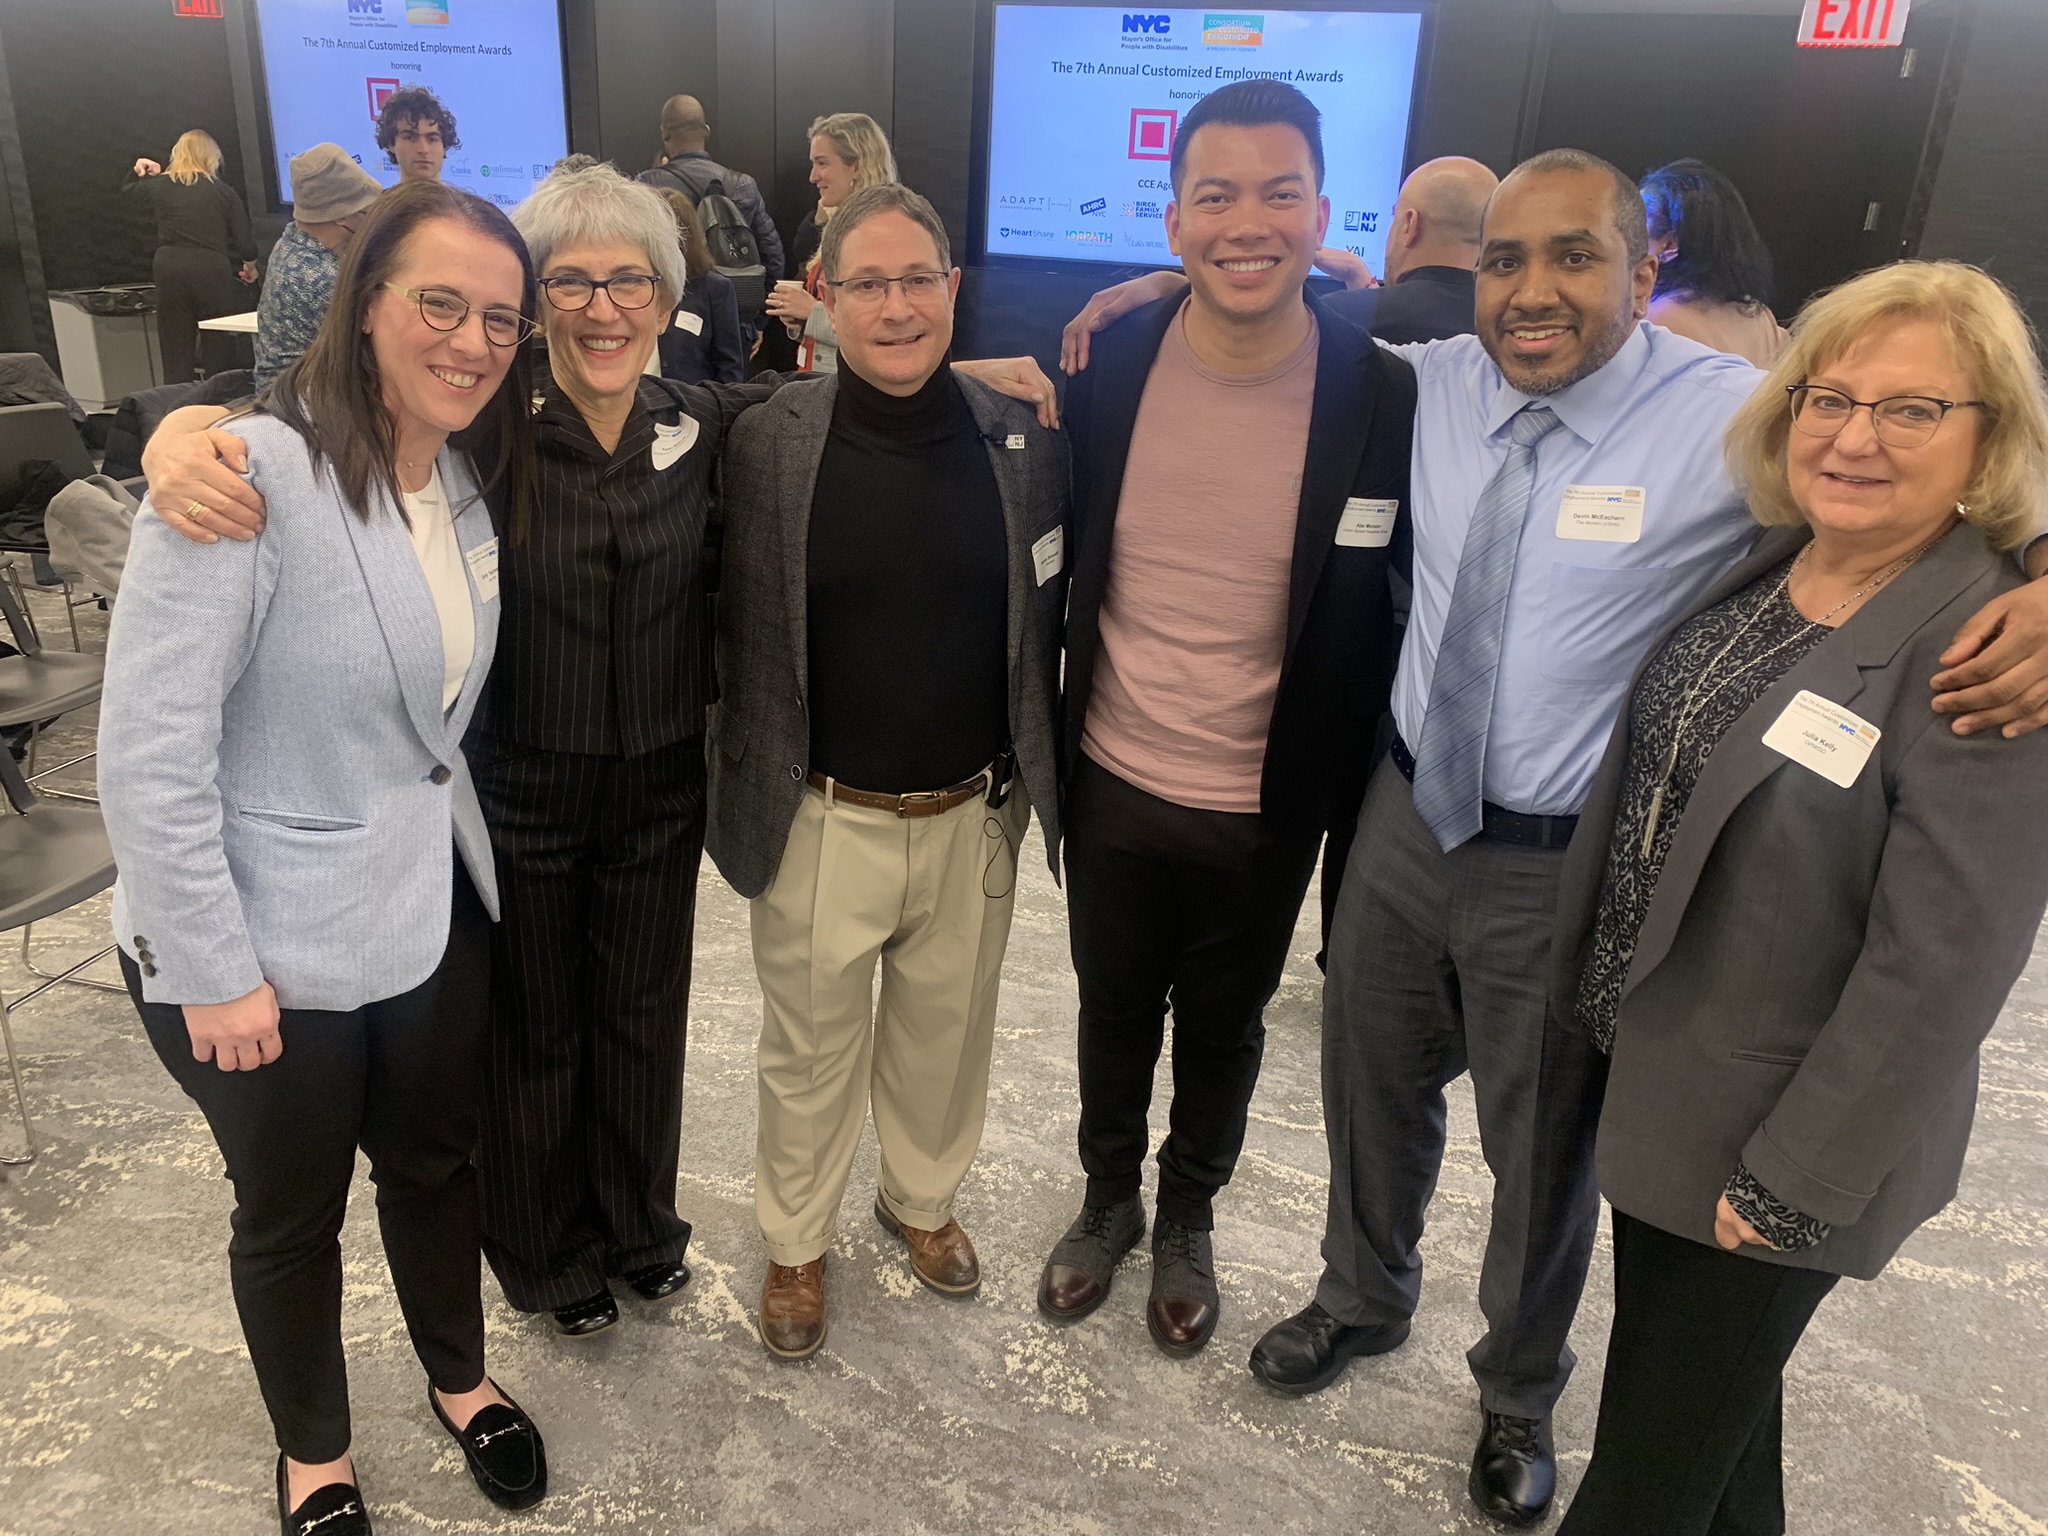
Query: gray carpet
1917,1404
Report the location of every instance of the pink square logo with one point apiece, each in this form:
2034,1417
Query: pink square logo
1152,132
381,91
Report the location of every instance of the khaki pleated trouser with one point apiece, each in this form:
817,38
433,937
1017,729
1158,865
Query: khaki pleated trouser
929,900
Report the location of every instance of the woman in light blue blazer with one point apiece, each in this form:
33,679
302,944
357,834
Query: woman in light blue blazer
306,885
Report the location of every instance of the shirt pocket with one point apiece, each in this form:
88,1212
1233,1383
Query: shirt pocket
1600,620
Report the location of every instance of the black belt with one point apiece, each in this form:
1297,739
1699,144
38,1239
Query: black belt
1497,822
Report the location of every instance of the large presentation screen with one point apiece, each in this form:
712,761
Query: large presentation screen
1084,103
328,66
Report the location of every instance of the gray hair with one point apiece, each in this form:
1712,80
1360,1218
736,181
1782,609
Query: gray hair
586,201
887,197
1629,220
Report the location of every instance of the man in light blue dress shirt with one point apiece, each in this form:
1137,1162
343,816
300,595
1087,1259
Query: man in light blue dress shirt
1568,466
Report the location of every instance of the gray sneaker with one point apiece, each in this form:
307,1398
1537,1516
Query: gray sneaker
1077,1276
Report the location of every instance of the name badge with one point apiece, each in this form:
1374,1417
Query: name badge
1610,514
689,321
1014,440
671,443
1366,524
1824,737
1049,554
483,570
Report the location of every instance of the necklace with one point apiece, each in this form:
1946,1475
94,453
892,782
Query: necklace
1694,701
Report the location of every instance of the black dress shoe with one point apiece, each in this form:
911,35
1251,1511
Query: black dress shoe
503,1449
1184,1307
593,1314
335,1510
1310,1350
1514,1470
657,1282
1077,1275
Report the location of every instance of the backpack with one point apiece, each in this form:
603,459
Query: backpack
734,251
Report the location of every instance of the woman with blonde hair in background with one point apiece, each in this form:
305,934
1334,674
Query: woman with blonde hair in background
849,151
1797,898
203,243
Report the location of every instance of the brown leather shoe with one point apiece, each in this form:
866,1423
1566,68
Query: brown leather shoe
793,1309
944,1260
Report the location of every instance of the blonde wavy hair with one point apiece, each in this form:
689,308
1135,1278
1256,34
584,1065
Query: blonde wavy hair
193,156
2008,491
861,144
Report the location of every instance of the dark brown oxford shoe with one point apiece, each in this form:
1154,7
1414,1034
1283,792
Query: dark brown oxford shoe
793,1309
944,1260
1184,1306
1077,1276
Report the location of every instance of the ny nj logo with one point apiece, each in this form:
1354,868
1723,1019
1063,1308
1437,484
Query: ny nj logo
1152,26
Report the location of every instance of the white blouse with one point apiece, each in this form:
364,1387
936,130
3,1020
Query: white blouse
440,555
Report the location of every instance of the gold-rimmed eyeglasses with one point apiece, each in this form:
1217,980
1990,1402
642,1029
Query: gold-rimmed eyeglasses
1900,421
446,311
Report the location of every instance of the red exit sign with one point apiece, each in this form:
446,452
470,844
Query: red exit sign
1853,23
204,9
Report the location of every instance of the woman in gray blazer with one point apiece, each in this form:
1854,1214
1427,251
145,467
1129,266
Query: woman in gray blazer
1797,898
306,885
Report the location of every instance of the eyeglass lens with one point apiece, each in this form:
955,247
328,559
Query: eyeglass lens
629,290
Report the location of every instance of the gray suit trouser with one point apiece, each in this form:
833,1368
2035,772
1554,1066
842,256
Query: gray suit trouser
1437,966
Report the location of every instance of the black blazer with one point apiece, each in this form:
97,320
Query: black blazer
1342,638
1422,304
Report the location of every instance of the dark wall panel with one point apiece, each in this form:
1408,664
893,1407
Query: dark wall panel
95,86
830,56
648,51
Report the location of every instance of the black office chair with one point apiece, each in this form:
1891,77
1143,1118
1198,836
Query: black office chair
38,685
52,857
29,433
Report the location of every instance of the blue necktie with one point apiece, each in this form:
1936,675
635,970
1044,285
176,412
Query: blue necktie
1450,760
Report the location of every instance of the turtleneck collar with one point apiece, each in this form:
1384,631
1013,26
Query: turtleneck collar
901,420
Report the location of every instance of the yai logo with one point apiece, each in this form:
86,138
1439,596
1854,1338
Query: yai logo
1147,26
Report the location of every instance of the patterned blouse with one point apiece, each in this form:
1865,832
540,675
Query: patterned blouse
1764,636
296,292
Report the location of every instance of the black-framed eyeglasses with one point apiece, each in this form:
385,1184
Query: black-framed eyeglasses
918,287
572,291
1900,421
446,311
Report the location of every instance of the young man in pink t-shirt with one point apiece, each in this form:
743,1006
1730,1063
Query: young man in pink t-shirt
1241,478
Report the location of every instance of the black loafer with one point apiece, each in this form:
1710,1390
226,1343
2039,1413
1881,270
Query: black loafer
1310,1350
658,1282
1514,1469
503,1449
593,1314
335,1510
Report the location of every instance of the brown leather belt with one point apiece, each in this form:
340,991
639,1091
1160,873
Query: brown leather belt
922,802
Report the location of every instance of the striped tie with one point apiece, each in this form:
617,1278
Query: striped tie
1450,760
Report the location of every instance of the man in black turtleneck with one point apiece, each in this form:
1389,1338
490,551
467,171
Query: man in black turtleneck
888,664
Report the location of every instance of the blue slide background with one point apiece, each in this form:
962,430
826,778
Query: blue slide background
1062,184
496,64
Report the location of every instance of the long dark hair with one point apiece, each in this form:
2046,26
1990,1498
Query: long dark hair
333,396
1721,258
690,231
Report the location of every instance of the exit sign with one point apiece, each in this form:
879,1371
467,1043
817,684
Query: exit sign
209,9
1853,23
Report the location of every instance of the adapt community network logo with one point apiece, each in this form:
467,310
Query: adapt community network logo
1152,130
1232,31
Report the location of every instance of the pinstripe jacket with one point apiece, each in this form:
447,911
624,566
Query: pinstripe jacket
283,791
760,729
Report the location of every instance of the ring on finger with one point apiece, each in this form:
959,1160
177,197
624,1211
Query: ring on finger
193,509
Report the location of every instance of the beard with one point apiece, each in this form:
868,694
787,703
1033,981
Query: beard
1600,338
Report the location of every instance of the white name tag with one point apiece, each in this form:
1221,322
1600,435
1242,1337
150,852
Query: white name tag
1824,737
671,443
689,321
1366,524
483,570
1612,514
1049,554
1014,440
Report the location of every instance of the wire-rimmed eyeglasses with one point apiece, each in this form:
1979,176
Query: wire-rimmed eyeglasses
445,311
918,287
1900,421
573,291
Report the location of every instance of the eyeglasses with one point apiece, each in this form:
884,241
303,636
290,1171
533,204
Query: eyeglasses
446,311
629,290
1900,421
918,287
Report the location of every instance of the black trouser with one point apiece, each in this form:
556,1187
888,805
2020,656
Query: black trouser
583,1097
1167,905
1692,1405
191,285
397,1078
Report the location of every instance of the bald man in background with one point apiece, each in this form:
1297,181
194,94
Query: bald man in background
687,167
1432,247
